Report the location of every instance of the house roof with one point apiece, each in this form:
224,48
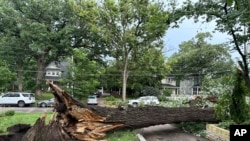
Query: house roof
170,86
59,66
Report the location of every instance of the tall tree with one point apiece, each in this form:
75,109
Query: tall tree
196,56
43,32
232,17
145,70
13,48
128,28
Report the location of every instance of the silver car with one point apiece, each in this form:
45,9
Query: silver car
92,100
144,100
46,103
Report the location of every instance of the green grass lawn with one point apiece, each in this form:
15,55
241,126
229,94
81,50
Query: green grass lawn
25,118
30,118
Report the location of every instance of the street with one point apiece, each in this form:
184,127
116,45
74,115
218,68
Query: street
167,132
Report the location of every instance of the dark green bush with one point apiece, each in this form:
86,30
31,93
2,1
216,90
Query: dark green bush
167,92
10,113
110,98
150,91
197,128
163,98
226,124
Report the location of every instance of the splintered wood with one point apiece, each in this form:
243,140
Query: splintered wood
79,122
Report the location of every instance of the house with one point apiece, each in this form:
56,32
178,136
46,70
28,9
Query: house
55,71
169,82
188,86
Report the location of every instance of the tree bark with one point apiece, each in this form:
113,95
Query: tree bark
40,73
76,121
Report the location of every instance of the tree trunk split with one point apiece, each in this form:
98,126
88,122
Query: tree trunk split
74,121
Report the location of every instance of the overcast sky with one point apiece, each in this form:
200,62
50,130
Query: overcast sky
187,30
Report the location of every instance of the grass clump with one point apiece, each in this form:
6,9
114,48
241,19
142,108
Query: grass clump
123,135
10,113
196,128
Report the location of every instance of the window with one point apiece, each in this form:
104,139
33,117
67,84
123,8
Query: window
7,95
196,80
15,95
196,90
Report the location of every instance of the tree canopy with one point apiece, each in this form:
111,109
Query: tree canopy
83,74
129,28
197,56
231,17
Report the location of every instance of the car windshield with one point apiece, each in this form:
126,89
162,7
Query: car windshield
92,97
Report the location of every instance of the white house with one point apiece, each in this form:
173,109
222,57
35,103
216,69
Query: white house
55,71
188,86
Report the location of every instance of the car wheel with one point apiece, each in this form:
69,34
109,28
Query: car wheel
43,105
135,104
21,104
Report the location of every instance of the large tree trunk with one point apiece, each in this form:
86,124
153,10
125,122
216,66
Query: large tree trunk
75,121
40,74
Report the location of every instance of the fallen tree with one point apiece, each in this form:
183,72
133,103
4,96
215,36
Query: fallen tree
74,121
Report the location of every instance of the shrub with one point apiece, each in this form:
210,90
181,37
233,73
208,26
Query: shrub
150,91
110,98
167,92
9,113
197,128
162,98
233,106
238,106
226,124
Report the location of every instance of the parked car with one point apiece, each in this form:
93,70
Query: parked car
144,100
17,98
92,100
98,93
46,103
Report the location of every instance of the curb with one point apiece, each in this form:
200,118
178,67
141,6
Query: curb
140,137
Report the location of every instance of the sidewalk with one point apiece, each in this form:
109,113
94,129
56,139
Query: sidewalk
167,132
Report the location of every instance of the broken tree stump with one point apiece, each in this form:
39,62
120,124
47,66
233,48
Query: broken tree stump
74,121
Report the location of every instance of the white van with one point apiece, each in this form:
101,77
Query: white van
17,98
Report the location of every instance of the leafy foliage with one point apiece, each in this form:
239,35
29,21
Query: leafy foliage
196,56
222,109
127,29
217,86
6,76
10,113
83,77
150,91
231,17
197,128
37,30
239,110
232,105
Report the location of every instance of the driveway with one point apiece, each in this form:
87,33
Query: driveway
168,132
